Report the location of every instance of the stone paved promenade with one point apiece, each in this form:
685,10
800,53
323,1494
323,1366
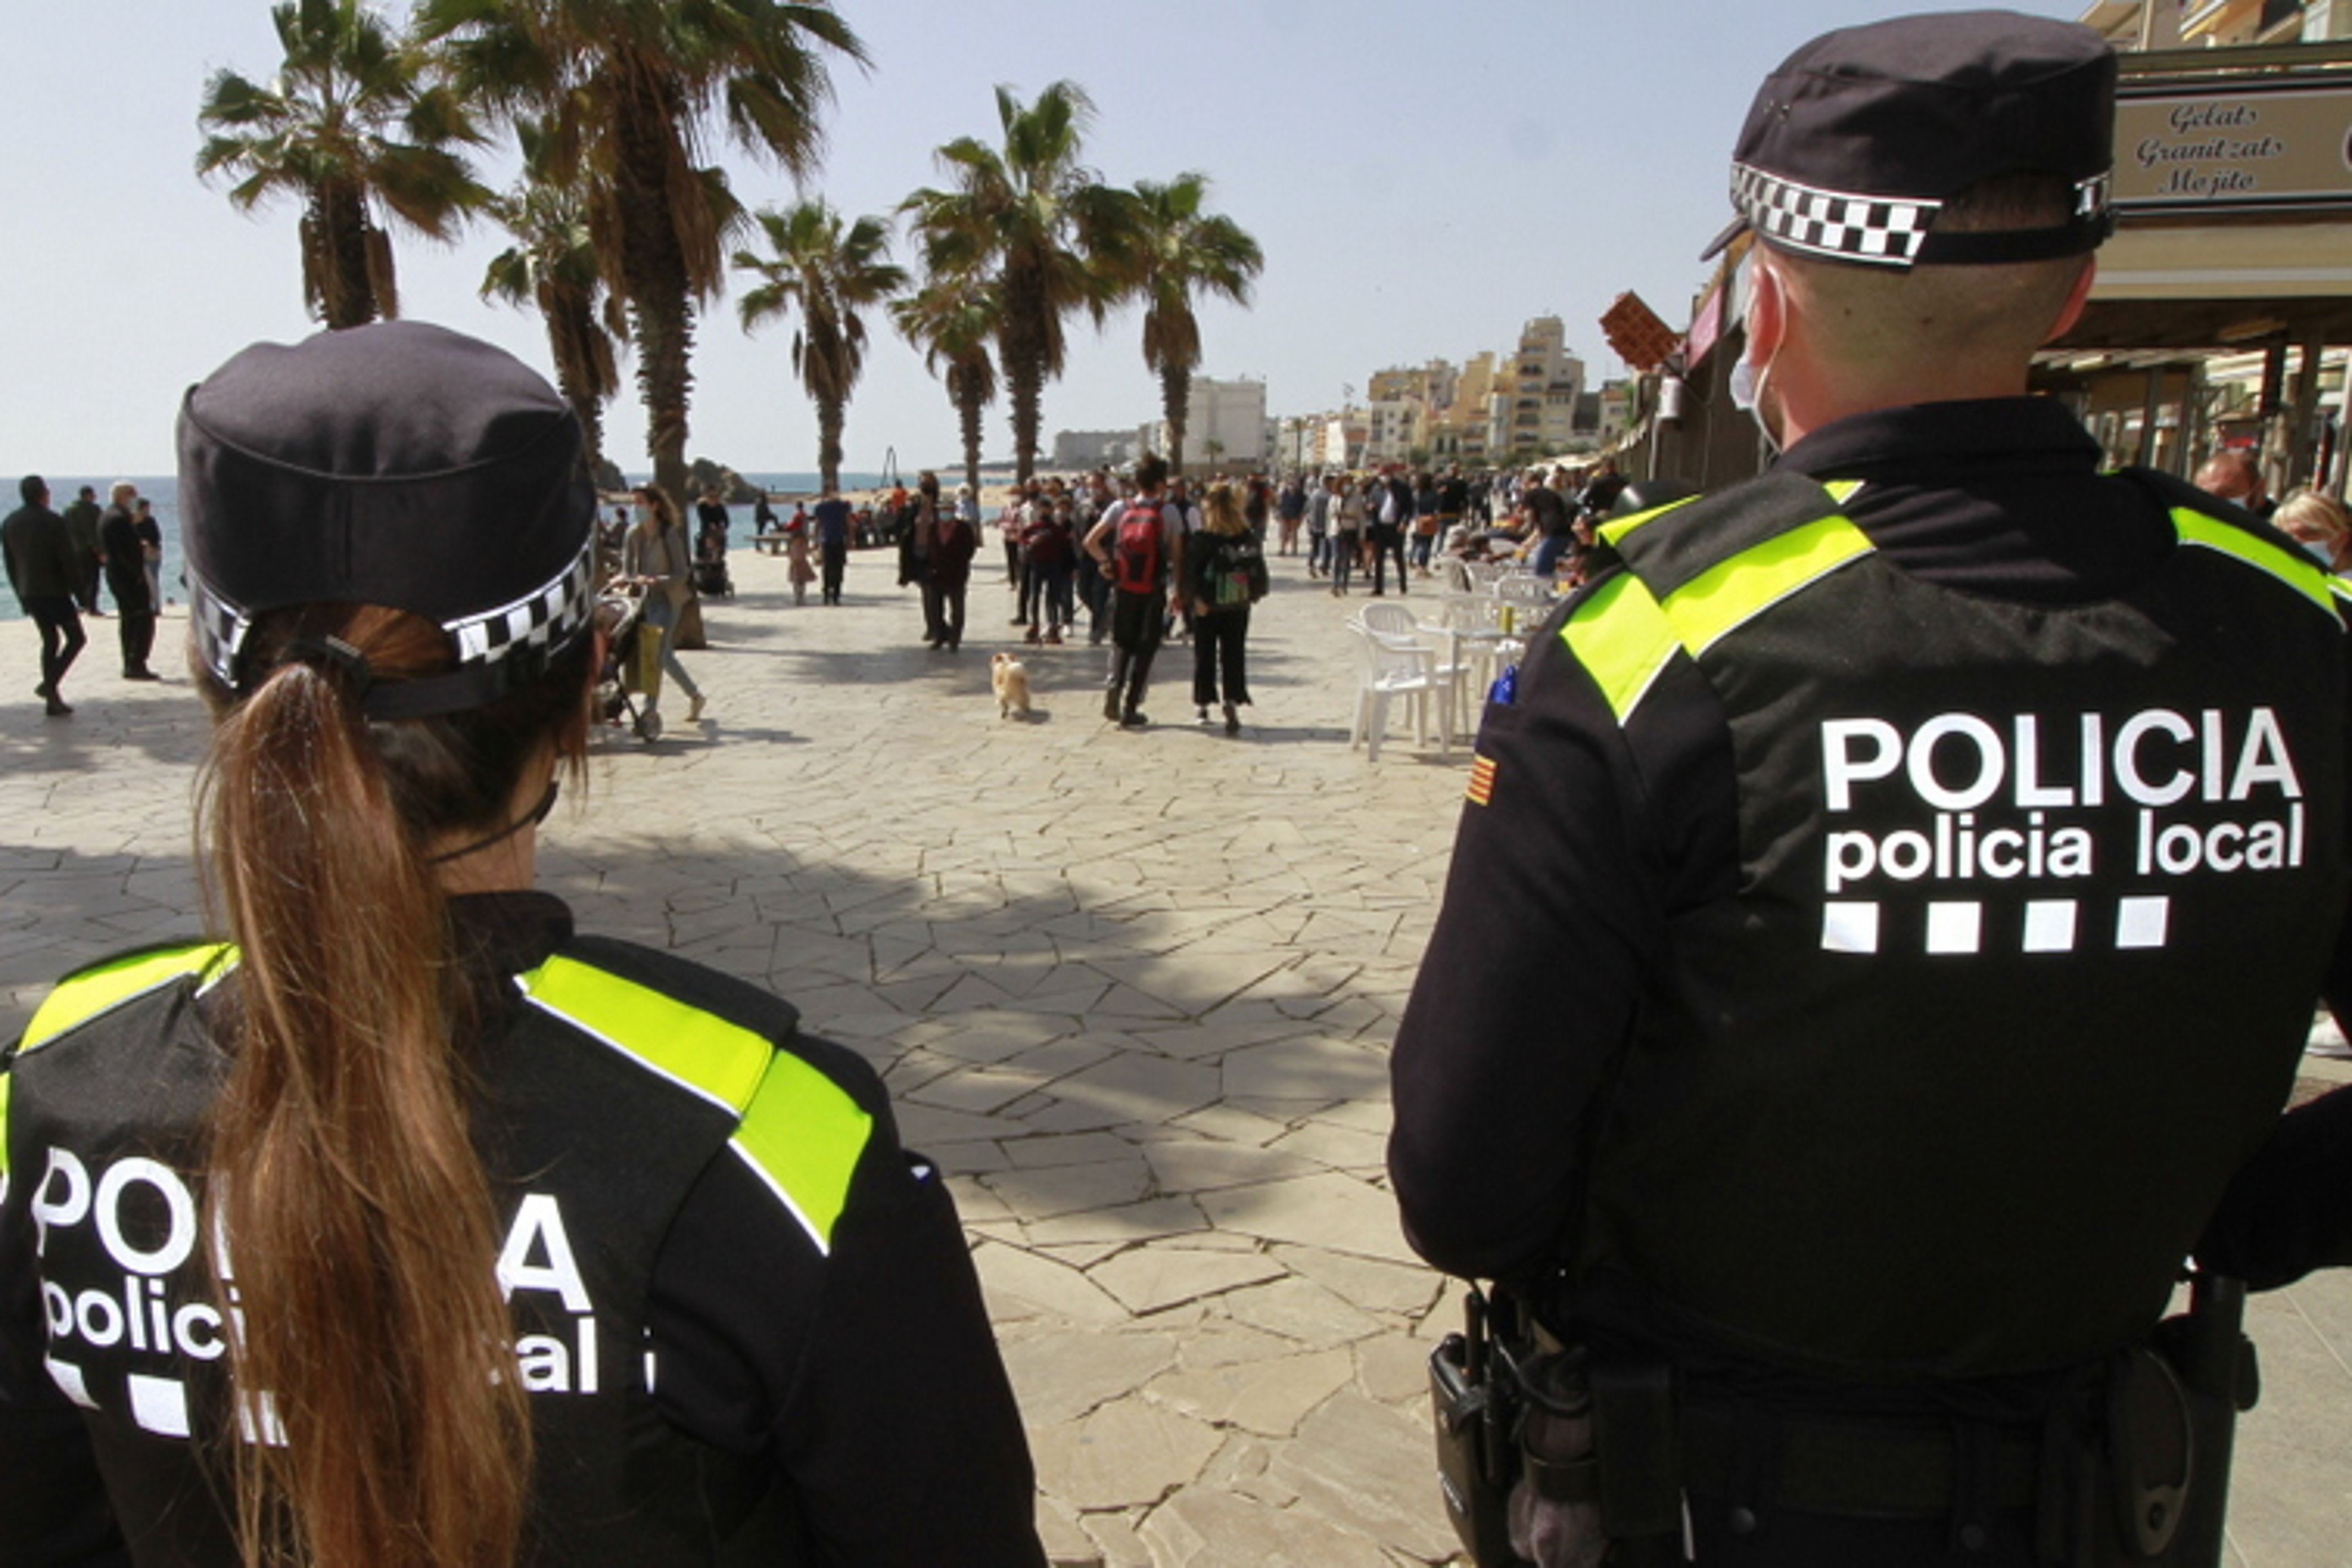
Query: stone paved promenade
1135,991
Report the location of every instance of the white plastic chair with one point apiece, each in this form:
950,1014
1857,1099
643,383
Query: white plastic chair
1520,588
1389,668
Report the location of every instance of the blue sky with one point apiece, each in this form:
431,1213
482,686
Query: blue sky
1422,177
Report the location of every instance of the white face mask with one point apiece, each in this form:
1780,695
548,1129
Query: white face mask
2319,550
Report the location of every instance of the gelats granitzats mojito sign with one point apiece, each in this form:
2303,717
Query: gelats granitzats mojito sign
2235,148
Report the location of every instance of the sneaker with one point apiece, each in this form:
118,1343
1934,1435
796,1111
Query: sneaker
1200,714
42,692
58,710
1053,637
1134,719
1233,720
140,675
1110,706
1032,638
694,708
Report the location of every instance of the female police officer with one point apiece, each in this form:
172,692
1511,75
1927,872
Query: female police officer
405,1226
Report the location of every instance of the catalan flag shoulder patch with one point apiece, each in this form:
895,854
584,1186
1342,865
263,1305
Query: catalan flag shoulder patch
1482,780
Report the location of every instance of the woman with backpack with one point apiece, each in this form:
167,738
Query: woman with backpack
1224,575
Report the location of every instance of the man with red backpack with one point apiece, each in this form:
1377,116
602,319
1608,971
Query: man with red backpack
1137,546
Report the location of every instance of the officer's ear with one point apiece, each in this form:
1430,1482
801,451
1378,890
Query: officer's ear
2076,298
1767,309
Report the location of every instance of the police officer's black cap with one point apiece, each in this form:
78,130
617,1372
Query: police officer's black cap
1855,140
399,465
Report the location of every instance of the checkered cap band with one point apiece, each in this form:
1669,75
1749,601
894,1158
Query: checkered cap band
1884,230
547,618
219,629
542,619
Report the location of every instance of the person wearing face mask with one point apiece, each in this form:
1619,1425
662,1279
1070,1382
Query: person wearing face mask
1951,837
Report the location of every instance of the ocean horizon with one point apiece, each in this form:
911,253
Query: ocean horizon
165,491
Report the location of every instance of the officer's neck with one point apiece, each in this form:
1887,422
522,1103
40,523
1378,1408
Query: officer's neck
1806,398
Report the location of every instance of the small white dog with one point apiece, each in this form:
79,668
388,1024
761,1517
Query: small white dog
1009,678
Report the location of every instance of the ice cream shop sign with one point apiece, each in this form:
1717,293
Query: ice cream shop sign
2268,149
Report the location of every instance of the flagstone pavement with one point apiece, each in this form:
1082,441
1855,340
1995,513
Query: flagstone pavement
1134,991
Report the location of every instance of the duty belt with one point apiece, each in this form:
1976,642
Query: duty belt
1854,1468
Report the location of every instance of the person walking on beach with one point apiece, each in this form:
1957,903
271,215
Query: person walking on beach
831,516
657,558
45,571
1347,532
1318,526
126,579
796,550
944,545
1224,575
1136,546
81,522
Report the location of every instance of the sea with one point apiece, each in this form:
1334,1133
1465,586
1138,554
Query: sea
165,491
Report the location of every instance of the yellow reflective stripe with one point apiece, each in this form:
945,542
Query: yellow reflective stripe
81,997
1618,528
2305,576
5,1079
805,1135
700,1051
1731,592
800,1132
1623,639
2340,586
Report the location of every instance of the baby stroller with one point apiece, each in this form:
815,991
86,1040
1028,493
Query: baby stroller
628,635
710,564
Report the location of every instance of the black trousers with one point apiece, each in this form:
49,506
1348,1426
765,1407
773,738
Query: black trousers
832,557
1136,620
1386,543
943,613
137,631
1217,650
62,638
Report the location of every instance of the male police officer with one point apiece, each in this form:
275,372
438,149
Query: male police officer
1890,906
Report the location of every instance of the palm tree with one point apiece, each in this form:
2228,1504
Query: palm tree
952,319
351,128
830,273
552,265
1184,252
626,88
1052,236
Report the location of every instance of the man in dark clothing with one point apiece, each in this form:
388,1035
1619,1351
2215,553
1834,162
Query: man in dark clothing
45,571
831,516
126,579
81,522
1823,1140
1392,514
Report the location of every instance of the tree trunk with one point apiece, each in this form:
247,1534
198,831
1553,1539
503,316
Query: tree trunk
828,441
339,244
571,338
1176,402
661,303
1025,378
970,409
1022,347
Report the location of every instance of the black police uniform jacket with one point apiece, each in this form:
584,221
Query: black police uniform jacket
1889,911
746,1317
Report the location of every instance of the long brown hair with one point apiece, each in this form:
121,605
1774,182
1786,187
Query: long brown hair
362,1234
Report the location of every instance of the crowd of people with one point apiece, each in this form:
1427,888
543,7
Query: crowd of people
56,561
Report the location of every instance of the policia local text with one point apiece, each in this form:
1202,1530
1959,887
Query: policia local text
1956,764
